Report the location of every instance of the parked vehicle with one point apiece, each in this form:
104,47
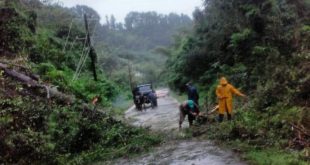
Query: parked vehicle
144,94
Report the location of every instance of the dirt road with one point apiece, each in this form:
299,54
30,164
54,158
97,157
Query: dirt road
187,152
164,117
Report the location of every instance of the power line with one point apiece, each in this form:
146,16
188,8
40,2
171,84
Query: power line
68,36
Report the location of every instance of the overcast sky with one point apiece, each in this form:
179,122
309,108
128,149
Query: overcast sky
119,8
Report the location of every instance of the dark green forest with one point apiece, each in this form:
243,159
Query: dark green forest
262,47
47,87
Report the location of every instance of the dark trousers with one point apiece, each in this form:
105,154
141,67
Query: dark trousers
183,113
221,117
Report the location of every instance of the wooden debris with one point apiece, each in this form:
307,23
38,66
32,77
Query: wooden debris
30,82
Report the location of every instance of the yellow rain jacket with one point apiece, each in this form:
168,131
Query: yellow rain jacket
224,93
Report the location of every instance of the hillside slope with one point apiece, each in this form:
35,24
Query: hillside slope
45,116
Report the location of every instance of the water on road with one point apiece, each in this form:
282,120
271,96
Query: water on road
163,118
176,152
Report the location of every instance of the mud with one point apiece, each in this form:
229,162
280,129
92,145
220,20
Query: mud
163,118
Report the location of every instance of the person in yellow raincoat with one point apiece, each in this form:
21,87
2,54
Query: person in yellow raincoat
224,92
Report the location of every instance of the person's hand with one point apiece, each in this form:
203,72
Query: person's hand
245,97
194,113
222,97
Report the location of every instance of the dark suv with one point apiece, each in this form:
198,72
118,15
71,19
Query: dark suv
144,94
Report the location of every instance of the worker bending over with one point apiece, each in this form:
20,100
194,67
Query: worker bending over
190,109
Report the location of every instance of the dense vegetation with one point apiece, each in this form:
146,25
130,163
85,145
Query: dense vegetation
133,44
262,47
39,40
40,131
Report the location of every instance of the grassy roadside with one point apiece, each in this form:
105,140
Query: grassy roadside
259,136
179,97
254,143
257,155
122,102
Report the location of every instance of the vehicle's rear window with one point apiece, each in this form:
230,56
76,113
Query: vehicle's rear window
145,89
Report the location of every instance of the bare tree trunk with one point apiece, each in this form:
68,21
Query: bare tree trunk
30,82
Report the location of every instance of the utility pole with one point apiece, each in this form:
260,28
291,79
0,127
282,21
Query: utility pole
130,76
6,3
91,52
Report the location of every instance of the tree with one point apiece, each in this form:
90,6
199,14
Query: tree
243,39
112,22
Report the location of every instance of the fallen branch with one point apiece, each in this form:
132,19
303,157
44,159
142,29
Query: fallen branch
30,82
50,91
214,109
33,76
299,129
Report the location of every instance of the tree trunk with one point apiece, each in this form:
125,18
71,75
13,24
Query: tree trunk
30,82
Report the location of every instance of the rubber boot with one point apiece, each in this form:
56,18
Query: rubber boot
220,118
229,117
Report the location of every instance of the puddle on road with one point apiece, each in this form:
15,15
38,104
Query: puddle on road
185,153
163,118
189,152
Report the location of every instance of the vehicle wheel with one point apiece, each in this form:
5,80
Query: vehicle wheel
144,106
154,102
138,107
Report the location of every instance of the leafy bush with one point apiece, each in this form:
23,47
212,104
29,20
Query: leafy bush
83,87
14,31
87,90
36,132
271,128
239,39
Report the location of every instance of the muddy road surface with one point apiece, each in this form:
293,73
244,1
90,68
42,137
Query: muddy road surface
174,152
163,118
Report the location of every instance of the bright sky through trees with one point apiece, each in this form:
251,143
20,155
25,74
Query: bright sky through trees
119,8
